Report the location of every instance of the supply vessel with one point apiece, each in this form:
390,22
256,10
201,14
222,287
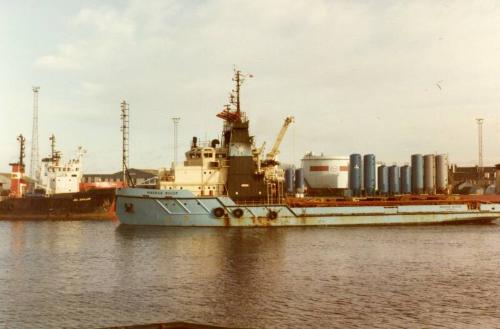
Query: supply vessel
230,183
56,193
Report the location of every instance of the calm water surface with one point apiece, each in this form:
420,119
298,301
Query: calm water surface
91,274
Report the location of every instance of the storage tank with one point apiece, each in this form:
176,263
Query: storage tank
383,180
442,173
417,174
289,183
394,180
299,181
405,179
429,174
497,180
355,174
369,173
325,171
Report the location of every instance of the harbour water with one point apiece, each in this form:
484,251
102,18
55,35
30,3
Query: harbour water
88,274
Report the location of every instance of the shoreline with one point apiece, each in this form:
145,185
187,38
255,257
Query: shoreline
65,217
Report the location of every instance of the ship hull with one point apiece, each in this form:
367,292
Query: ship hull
149,207
93,204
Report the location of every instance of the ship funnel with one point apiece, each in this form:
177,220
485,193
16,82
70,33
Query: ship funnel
214,143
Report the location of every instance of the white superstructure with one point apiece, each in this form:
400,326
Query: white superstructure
56,177
322,171
204,172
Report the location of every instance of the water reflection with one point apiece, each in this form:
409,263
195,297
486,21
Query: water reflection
224,269
94,274
17,239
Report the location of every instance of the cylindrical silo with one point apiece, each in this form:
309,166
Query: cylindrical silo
442,173
369,173
406,179
417,174
299,181
429,174
355,174
383,180
289,184
497,181
394,180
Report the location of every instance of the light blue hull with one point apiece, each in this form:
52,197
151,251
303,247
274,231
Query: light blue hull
181,208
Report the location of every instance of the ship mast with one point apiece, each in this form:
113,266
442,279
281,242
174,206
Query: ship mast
22,142
17,184
55,156
52,139
239,81
232,111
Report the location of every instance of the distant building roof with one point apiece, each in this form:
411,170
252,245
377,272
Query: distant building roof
135,173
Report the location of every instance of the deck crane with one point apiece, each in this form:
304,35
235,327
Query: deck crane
256,156
258,151
271,156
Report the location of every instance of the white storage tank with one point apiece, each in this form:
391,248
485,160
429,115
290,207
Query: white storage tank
442,173
429,174
325,172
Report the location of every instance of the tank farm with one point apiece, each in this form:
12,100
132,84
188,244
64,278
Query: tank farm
361,180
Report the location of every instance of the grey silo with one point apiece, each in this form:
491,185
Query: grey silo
417,174
394,187
429,174
289,183
369,173
497,181
441,173
299,180
355,174
383,180
406,179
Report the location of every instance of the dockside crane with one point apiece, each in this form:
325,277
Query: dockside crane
275,150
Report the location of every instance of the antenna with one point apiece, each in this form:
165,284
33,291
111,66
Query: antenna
175,120
22,142
125,140
239,78
480,143
52,139
34,137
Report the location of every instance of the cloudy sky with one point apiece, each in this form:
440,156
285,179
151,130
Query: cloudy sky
384,77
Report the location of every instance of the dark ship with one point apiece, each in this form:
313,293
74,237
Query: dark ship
56,193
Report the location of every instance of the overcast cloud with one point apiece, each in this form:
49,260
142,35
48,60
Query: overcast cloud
384,77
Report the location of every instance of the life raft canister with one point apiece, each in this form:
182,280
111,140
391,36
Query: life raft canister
218,212
272,214
129,207
238,212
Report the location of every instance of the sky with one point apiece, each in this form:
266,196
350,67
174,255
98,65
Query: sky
390,78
